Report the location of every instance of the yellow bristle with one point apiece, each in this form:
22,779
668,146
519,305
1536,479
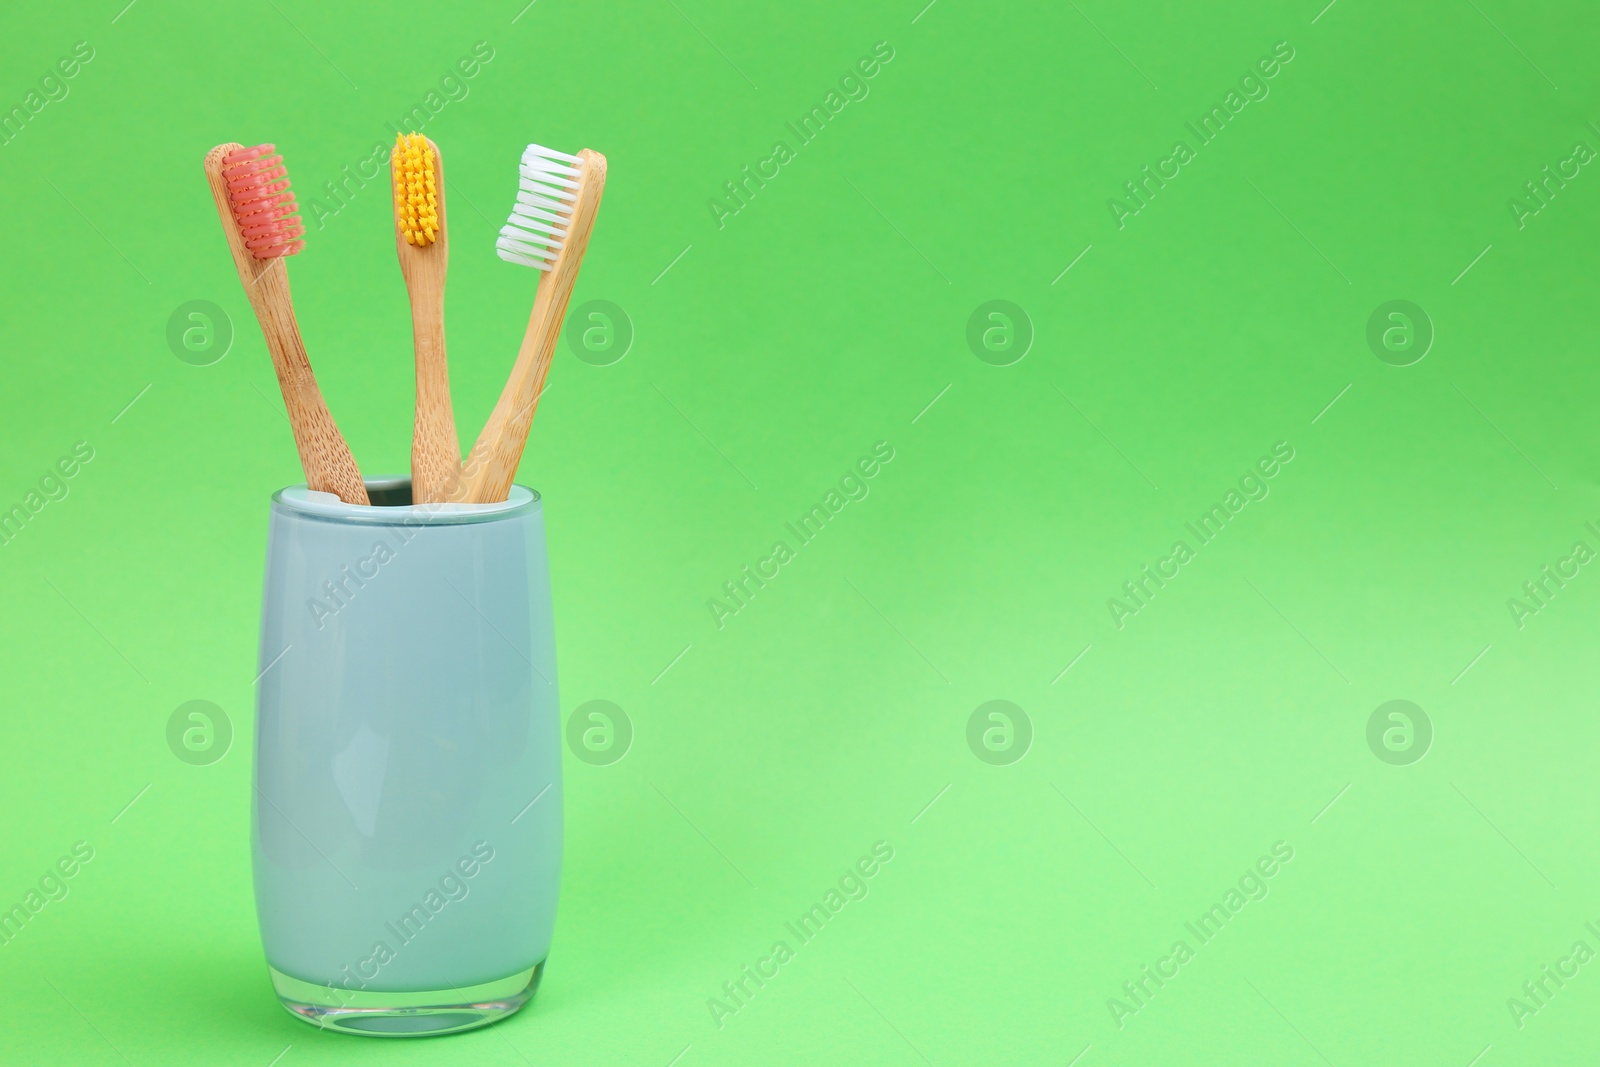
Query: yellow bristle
416,200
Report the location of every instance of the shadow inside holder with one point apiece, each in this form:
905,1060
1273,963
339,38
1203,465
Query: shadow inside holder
389,492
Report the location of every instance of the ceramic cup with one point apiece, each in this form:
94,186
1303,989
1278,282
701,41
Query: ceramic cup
407,803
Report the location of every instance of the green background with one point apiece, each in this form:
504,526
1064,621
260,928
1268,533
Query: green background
1230,713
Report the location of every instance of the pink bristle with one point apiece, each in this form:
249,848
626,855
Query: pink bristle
258,192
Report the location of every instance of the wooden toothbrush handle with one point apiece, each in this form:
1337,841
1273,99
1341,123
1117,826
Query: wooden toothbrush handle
435,451
492,464
329,466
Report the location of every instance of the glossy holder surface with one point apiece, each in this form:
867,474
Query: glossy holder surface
407,806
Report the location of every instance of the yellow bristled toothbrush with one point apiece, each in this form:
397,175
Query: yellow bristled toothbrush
421,242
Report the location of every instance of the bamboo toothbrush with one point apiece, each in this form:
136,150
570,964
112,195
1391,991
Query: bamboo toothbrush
419,236
251,188
549,231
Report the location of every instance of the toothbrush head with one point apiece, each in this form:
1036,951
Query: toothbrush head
546,196
258,192
416,196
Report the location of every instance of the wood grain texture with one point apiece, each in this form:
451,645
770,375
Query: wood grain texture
492,464
326,459
435,449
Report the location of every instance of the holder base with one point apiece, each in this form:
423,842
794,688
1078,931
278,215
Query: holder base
418,1013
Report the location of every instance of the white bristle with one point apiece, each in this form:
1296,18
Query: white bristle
546,190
